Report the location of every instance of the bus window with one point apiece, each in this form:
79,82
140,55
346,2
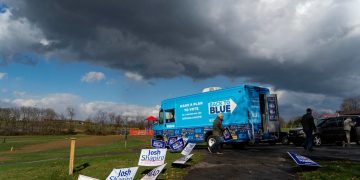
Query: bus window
161,117
170,116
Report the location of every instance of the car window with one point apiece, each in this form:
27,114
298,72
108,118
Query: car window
330,123
357,120
340,122
320,122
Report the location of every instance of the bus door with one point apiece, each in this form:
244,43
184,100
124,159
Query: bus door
272,113
262,103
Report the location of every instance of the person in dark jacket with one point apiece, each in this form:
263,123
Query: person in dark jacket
307,121
217,130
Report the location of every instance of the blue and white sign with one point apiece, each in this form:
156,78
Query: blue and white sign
227,134
224,106
82,177
172,139
183,159
157,143
152,175
302,160
187,150
123,174
178,145
272,108
152,157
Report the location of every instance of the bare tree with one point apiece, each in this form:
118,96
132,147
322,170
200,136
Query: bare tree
101,118
71,113
350,105
112,117
119,121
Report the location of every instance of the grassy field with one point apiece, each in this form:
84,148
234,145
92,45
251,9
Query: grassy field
332,170
47,157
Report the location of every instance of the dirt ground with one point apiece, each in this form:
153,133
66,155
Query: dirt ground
4,159
262,161
80,142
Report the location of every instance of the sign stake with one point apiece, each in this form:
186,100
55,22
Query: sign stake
72,154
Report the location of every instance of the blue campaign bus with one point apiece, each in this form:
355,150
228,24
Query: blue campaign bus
250,115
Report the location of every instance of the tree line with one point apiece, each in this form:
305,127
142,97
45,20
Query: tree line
350,105
37,121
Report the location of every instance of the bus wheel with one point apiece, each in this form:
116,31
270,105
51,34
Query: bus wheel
211,141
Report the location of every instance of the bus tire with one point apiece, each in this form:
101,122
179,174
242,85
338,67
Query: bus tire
211,141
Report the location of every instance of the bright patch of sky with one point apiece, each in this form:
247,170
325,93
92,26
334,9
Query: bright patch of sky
33,85
3,8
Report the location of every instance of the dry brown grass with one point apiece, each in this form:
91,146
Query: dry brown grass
80,142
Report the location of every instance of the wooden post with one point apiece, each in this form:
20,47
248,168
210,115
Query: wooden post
126,132
72,154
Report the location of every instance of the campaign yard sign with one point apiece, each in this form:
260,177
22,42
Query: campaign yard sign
153,173
185,140
187,150
157,143
178,145
183,159
123,174
82,177
171,140
152,157
302,160
227,134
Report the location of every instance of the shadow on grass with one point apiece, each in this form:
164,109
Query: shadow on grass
148,170
304,168
81,167
181,166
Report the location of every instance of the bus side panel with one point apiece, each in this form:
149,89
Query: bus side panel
194,115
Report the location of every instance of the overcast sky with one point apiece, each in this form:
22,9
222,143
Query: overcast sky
129,55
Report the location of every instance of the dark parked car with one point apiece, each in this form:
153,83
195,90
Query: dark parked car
297,135
329,130
332,130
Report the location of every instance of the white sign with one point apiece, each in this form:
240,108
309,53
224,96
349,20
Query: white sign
185,140
187,150
123,174
183,159
152,157
154,173
224,106
82,177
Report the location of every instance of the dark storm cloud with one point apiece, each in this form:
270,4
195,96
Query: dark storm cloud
306,46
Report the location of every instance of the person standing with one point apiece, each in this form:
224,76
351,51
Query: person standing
348,123
307,122
217,133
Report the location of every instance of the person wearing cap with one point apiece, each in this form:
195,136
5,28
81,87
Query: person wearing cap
307,122
348,123
217,130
